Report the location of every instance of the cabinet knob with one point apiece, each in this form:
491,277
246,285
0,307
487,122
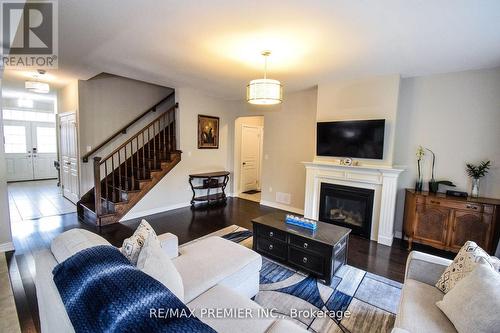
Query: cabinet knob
306,245
271,234
304,260
271,247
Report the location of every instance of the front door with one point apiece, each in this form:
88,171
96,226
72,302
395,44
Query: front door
69,157
44,150
30,150
17,141
251,137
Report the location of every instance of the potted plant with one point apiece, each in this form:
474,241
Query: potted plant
420,180
433,184
476,172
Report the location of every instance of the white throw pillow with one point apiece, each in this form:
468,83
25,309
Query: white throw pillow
473,305
156,263
73,241
464,263
132,246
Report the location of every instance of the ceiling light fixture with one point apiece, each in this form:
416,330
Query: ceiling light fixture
265,91
37,86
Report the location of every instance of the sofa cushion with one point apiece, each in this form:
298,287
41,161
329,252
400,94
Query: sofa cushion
156,263
220,297
418,311
132,246
465,261
473,305
73,241
205,263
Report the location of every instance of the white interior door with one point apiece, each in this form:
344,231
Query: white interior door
69,157
251,142
44,150
17,140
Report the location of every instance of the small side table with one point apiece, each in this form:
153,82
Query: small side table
207,189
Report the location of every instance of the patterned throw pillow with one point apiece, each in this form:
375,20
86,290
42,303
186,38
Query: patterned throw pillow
132,246
466,260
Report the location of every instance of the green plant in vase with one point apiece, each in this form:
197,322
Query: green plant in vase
419,184
476,172
433,184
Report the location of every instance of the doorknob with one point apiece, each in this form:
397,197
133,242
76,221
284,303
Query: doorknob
244,163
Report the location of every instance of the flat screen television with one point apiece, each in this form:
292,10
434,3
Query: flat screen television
357,138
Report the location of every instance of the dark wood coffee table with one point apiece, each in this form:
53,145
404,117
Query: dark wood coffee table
320,252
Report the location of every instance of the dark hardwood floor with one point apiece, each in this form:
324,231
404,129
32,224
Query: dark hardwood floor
33,235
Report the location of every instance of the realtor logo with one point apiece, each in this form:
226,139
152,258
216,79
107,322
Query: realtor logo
29,34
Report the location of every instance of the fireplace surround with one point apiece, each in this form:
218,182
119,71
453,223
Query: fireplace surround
382,180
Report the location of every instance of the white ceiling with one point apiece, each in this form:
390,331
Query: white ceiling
215,45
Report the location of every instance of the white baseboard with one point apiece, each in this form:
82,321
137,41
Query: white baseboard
282,206
6,247
136,215
385,240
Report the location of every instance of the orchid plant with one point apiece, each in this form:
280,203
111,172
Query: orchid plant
420,155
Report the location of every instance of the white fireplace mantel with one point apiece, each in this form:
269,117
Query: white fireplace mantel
382,179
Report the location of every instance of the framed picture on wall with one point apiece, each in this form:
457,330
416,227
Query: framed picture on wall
208,132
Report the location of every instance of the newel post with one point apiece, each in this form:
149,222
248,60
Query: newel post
97,186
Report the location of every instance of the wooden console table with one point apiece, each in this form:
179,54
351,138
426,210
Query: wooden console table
446,222
209,182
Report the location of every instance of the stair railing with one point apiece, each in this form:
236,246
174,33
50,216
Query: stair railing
121,169
123,130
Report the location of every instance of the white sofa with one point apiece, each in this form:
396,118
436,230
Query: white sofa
417,311
216,273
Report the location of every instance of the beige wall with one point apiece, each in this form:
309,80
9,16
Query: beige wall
371,98
288,140
238,123
174,190
68,98
457,115
5,231
106,103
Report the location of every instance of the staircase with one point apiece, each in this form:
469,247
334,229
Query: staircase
125,176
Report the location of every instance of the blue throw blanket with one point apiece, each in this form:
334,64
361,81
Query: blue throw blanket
103,292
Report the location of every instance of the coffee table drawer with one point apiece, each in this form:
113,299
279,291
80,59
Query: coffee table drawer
307,260
309,245
271,233
272,247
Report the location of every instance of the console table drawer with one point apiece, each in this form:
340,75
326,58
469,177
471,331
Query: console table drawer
309,245
306,260
272,247
271,233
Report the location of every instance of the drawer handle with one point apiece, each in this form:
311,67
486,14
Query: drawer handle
271,247
304,260
435,202
306,245
271,234
470,206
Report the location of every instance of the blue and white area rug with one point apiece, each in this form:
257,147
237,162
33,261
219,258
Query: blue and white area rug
355,301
